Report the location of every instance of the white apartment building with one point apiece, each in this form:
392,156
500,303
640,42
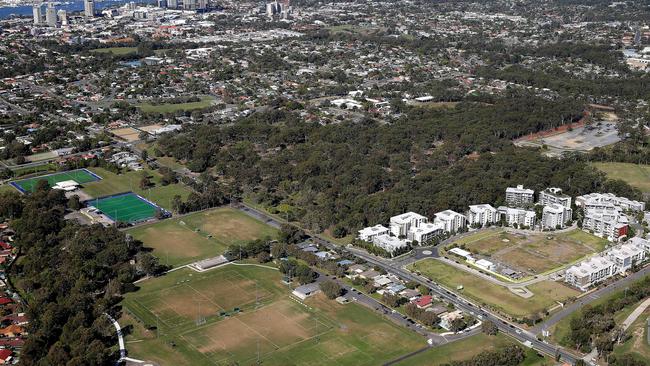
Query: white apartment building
607,222
554,196
639,243
589,272
625,256
517,216
482,214
389,243
519,196
603,200
425,232
451,221
555,215
369,233
400,225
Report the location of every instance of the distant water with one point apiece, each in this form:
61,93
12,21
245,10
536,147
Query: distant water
70,6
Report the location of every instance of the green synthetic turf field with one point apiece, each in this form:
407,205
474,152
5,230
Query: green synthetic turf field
127,207
80,176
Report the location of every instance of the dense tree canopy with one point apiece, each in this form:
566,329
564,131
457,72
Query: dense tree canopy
353,174
71,274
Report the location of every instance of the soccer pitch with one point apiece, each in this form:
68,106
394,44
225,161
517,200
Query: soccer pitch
238,314
80,176
125,207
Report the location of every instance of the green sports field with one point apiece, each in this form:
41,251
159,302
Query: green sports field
205,102
200,235
80,176
281,330
112,183
636,175
126,207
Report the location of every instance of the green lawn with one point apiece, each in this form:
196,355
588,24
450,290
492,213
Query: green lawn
283,331
466,349
492,295
116,51
205,102
7,188
637,345
636,175
177,242
229,226
130,182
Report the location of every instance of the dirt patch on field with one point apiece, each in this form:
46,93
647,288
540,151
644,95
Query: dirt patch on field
335,348
128,134
231,293
279,323
173,241
229,336
184,302
539,254
231,228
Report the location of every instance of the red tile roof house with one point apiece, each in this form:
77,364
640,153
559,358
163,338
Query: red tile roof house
12,342
423,302
5,356
5,300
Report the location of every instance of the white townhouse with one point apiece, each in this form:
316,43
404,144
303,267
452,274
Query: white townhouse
555,215
389,243
589,272
483,215
607,222
369,233
519,196
517,216
554,196
625,256
603,200
451,221
400,225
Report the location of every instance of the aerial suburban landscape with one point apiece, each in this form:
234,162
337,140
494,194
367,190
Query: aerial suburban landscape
325,182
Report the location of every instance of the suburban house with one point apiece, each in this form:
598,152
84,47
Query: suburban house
424,301
447,319
369,233
482,215
555,216
517,216
554,196
519,196
452,221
